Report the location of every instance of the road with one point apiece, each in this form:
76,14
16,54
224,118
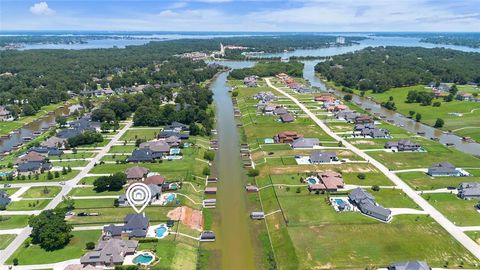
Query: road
69,185
451,228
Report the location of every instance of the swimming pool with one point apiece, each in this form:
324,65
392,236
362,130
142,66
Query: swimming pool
312,180
173,186
170,197
161,231
174,151
144,258
339,202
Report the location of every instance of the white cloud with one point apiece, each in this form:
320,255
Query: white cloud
42,9
178,5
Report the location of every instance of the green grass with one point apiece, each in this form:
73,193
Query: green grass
41,192
72,163
116,215
134,134
13,222
87,191
34,254
179,254
43,178
461,212
27,205
91,203
10,191
429,113
474,235
122,149
6,239
421,181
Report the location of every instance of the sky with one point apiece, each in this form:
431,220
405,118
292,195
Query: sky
242,15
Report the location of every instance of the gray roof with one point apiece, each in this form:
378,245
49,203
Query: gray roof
442,168
409,265
322,157
139,155
110,252
135,225
469,190
305,142
280,111
287,118
367,204
31,166
4,198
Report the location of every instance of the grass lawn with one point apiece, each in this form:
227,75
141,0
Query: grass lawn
177,254
88,180
88,191
74,250
134,134
435,154
91,203
421,181
474,235
122,149
43,178
13,222
73,163
27,205
116,215
373,178
460,212
429,113
41,192
9,191
6,239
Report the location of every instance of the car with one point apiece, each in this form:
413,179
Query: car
7,185
451,188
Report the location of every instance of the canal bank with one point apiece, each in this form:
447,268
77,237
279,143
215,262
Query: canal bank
234,247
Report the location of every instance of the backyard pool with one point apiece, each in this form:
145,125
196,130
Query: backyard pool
161,231
312,180
173,186
144,258
174,151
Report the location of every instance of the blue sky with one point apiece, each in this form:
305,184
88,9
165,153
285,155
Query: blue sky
242,15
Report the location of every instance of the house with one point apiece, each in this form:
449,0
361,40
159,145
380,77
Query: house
402,145
468,191
155,192
443,169
265,97
280,111
366,203
33,167
250,81
159,148
269,109
136,173
376,133
409,265
173,141
360,127
157,180
176,127
286,118
110,252
444,87
325,98
82,267
54,141
286,137
46,151
346,115
31,157
166,134
331,180
363,119
134,225
305,143
5,115
464,96
4,199
141,155
318,157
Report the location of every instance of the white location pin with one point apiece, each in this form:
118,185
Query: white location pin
138,196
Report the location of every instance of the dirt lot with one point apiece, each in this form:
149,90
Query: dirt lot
187,216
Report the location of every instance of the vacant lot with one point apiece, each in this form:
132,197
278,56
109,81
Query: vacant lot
461,212
421,181
41,192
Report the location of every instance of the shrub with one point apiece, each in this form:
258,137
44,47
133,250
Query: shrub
375,188
90,245
361,176
253,172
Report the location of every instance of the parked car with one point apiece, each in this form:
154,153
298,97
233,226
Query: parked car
451,188
7,185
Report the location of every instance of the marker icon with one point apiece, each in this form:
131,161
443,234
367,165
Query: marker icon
138,196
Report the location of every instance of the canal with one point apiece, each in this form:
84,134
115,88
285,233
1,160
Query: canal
233,248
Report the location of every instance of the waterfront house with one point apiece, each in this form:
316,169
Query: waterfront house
176,127
110,252
366,203
136,173
346,115
302,143
166,134
134,226
325,98
469,191
443,169
328,181
33,167
464,96
318,157
157,180
409,265
286,137
46,151
287,118
5,115
265,97
155,192
31,157
54,141
250,81
363,119
159,148
4,199
402,145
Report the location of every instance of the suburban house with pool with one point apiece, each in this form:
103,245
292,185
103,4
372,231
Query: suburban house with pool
318,157
155,191
32,163
325,181
469,191
409,265
135,226
286,137
402,146
346,115
366,203
110,252
303,143
444,169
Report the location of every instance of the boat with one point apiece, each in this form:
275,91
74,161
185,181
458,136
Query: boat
27,139
421,132
37,133
449,144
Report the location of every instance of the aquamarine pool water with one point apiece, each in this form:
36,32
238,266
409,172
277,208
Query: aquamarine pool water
173,186
161,231
339,202
170,197
312,180
143,259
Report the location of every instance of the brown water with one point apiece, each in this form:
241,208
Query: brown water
6,144
233,248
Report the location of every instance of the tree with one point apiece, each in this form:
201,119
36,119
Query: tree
49,175
89,245
418,117
69,204
361,176
439,123
347,97
15,261
436,104
209,155
61,121
206,170
50,230
113,182
56,174
376,188
411,113
253,172
64,170
104,127
28,109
